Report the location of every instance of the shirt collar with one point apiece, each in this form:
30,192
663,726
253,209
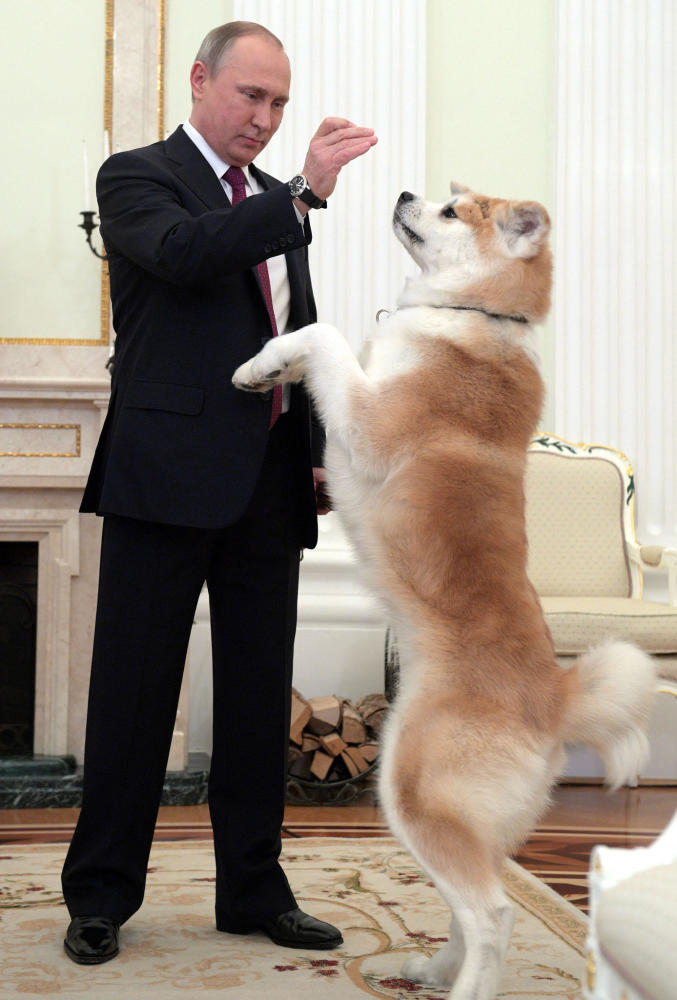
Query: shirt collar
213,159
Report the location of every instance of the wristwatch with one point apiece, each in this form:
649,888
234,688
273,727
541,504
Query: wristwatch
299,188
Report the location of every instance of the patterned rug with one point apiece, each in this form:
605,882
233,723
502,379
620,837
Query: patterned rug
370,888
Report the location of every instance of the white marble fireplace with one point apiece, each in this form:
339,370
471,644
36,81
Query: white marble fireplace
48,430
49,426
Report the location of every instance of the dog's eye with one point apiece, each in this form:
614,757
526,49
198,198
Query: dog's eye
449,212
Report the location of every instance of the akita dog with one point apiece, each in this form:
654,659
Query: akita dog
425,457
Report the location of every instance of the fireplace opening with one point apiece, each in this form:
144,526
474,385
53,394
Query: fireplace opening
18,628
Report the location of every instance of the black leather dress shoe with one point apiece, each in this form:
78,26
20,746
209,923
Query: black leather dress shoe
293,929
296,929
91,940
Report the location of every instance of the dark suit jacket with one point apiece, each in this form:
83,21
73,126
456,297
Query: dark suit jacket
180,445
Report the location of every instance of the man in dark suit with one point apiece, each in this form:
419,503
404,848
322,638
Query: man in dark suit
198,482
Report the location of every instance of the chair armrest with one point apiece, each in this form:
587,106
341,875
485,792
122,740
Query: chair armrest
656,557
609,868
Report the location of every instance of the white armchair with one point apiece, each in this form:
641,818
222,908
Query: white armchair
584,558
630,945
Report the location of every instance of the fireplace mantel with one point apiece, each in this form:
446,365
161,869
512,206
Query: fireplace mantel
49,426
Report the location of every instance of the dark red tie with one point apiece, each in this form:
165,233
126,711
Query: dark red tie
235,177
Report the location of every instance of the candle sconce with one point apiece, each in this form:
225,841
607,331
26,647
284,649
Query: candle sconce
89,225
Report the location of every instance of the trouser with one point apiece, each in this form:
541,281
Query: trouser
150,579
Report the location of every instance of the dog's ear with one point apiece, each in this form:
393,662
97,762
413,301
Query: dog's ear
456,188
524,225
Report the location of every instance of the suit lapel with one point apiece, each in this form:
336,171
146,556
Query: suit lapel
193,169
198,175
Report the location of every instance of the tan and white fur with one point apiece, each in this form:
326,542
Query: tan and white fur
426,451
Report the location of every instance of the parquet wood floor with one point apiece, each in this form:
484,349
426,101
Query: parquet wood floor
558,850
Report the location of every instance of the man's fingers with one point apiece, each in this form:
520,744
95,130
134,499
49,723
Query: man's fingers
351,150
331,125
343,134
336,143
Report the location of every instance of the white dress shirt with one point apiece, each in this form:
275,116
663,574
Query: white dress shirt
277,266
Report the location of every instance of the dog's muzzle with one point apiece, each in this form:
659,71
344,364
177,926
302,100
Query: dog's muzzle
400,211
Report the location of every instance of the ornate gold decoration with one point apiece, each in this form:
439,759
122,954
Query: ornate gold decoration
550,440
161,71
45,454
108,127
590,970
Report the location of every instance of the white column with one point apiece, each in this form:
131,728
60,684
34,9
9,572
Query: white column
616,229
137,100
363,60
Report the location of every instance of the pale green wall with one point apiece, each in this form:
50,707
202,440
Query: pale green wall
187,24
490,97
52,79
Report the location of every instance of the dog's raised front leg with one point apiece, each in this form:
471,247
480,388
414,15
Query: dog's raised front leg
319,354
280,360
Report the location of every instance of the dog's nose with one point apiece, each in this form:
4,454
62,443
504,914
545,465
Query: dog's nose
406,196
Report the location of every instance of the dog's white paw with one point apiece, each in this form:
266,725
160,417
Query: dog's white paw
252,376
420,969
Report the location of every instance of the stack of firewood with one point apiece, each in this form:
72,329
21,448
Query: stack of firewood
331,739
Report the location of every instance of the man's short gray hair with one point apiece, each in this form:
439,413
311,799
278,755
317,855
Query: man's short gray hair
216,45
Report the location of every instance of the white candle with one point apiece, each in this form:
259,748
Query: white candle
85,167
106,144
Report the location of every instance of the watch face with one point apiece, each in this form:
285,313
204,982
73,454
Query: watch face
297,185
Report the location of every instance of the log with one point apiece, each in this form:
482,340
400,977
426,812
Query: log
301,713
331,738
325,714
377,721
332,744
353,729
374,709
299,763
353,769
369,751
370,704
321,764
357,758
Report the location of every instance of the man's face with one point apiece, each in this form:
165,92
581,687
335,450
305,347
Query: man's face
239,109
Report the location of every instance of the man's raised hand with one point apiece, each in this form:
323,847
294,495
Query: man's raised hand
336,142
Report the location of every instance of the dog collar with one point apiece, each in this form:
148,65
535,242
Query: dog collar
516,319
430,305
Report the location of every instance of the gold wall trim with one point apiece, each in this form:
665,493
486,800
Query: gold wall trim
45,454
53,341
108,127
162,10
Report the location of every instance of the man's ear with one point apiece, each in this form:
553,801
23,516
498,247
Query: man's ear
198,77
457,188
524,226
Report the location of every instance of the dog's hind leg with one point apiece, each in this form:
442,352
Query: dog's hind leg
472,961
464,861
442,968
486,932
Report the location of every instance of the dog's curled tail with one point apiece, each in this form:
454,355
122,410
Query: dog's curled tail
611,689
